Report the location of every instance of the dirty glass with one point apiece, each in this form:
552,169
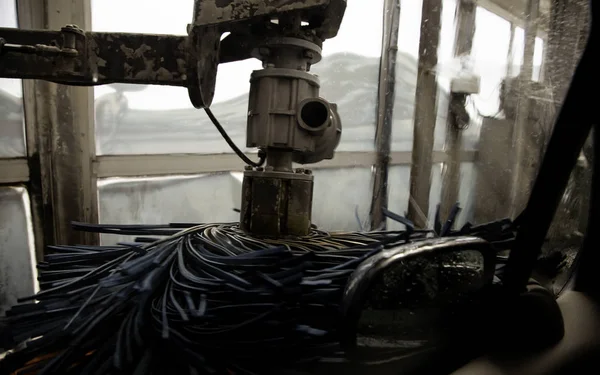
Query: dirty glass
160,200
407,302
500,135
568,227
406,74
399,192
341,199
160,120
12,127
17,252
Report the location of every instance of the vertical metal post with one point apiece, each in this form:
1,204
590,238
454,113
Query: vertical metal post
60,137
425,113
31,14
465,32
511,50
523,168
385,111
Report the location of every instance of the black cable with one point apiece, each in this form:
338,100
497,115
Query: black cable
208,298
261,154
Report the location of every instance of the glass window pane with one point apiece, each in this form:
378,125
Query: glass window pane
349,73
17,252
568,227
406,74
161,200
341,199
399,193
154,120
517,56
489,60
12,129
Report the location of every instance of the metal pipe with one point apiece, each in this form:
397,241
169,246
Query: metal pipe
279,160
385,111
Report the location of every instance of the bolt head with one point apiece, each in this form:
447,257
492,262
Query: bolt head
248,168
259,169
307,171
309,54
269,168
72,28
300,170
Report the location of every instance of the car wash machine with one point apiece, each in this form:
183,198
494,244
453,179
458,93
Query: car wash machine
287,120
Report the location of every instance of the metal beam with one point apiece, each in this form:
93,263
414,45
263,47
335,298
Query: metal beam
510,58
31,14
14,171
385,111
515,11
60,137
425,112
185,164
465,33
523,167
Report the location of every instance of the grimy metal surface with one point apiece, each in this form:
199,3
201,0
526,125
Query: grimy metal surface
98,58
425,113
323,16
465,32
277,204
385,113
60,142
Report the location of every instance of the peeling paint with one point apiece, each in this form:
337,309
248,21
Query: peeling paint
127,51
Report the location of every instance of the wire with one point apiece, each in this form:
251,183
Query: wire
261,153
201,298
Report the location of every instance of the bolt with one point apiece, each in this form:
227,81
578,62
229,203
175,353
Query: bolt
300,170
307,171
259,169
269,168
309,54
248,168
72,29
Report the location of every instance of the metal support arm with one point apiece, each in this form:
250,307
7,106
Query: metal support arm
74,57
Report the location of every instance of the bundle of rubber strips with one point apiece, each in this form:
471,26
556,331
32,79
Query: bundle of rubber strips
195,299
